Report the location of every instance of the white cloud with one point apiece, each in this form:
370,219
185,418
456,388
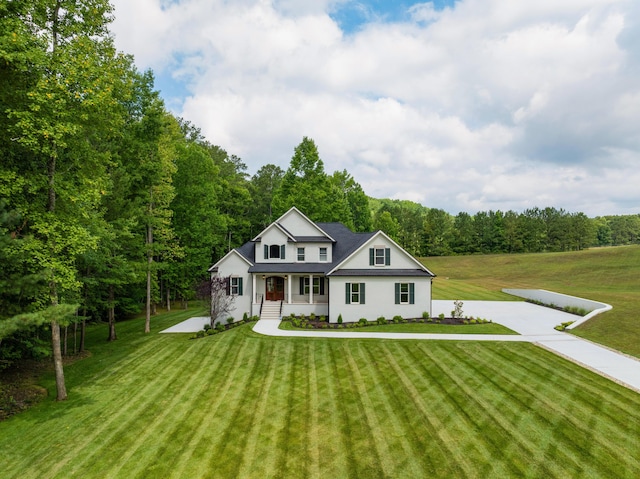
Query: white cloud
486,105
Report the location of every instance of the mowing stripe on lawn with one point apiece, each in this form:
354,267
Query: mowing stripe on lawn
359,459
503,420
368,409
558,371
179,419
222,420
176,406
441,415
256,460
221,394
418,418
313,436
568,410
576,433
331,427
388,413
291,444
150,411
108,428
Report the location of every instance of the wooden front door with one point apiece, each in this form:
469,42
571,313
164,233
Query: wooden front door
275,288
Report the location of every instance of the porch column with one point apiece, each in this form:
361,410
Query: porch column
254,290
289,277
310,289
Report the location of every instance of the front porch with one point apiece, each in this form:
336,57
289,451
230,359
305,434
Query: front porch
298,293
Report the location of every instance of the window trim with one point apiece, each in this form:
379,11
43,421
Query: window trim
269,249
379,260
235,289
409,293
320,254
350,293
300,254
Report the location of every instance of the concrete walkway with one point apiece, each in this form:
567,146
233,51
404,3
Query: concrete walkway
534,324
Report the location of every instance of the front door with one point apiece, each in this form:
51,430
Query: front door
275,288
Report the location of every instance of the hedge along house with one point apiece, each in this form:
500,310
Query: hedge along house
296,266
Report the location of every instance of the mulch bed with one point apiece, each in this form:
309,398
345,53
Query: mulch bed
326,325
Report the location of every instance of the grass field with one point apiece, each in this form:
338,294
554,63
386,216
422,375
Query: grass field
242,405
486,328
610,275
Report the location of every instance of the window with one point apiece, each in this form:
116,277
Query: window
318,285
354,293
300,254
323,254
405,293
235,286
274,251
379,256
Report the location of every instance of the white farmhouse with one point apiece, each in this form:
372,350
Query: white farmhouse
301,267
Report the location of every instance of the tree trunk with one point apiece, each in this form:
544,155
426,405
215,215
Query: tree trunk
83,326
147,322
65,351
112,315
57,362
75,335
168,300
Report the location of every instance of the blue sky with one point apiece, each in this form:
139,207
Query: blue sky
353,15
466,106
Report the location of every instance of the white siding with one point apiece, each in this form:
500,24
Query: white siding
298,225
399,258
311,252
234,265
379,298
278,237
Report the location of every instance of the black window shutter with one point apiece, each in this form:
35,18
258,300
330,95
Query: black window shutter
227,285
372,258
239,286
347,290
321,286
412,293
282,249
397,285
361,293
387,256
301,285
266,251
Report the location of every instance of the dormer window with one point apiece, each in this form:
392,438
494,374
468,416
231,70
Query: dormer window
276,251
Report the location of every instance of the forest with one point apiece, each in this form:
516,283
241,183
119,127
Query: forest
110,205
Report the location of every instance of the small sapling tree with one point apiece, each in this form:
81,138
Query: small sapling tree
221,298
457,312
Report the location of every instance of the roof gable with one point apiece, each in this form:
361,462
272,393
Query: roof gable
378,236
297,227
235,251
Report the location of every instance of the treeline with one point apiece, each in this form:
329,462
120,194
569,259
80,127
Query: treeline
434,232
109,205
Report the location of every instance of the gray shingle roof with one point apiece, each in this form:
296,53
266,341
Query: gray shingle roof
346,242
381,272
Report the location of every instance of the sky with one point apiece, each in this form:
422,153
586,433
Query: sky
467,105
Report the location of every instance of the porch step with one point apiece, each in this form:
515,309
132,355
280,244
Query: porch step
270,310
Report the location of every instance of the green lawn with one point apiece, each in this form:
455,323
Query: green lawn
611,275
238,404
486,328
